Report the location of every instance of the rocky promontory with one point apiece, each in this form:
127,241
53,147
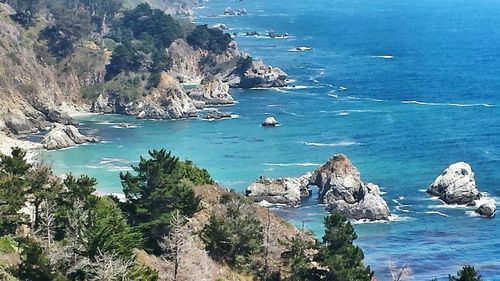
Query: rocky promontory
285,191
457,185
341,188
63,136
211,91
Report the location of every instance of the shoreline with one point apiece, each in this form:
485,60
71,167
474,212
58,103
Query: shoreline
32,148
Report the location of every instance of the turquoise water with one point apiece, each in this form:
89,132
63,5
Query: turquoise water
402,121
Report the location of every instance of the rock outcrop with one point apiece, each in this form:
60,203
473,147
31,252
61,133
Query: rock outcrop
487,209
211,91
341,188
456,185
270,122
168,101
65,136
286,191
258,75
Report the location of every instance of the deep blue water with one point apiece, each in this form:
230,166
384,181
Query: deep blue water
401,121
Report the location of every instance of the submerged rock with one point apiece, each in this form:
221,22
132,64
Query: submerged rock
286,191
487,209
456,185
217,115
65,136
270,122
341,188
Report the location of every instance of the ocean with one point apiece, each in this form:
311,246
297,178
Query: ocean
403,88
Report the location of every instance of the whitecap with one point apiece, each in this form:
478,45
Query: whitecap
446,104
305,164
342,88
342,143
343,113
472,214
437,213
383,56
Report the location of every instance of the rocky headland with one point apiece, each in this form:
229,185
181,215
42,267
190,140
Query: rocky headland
457,185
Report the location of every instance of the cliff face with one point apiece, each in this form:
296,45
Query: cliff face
35,92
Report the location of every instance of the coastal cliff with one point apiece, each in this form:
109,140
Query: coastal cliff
44,82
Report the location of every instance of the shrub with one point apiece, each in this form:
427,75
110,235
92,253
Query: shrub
206,38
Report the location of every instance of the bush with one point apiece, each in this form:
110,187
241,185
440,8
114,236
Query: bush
243,64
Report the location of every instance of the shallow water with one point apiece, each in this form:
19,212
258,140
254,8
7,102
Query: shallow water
401,120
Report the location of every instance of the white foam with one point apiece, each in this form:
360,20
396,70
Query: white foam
305,164
384,56
342,88
437,213
342,143
472,214
446,104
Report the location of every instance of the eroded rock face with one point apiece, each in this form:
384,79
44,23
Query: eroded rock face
286,191
65,136
456,185
258,76
211,91
341,188
168,101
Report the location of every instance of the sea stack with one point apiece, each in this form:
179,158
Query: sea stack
270,122
456,185
65,136
341,188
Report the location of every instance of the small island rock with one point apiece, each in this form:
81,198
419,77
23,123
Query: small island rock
65,136
270,122
456,185
487,209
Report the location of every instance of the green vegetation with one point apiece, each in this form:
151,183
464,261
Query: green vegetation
210,39
467,273
235,236
243,64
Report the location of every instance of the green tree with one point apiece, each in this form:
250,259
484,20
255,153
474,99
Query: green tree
13,186
153,192
467,273
343,260
209,39
298,256
234,236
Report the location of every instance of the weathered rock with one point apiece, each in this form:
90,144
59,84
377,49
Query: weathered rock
65,136
270,122
341,188
216,115
287,191
211,91
456,185
487,209
59,117
257,76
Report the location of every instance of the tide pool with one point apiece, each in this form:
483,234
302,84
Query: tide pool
403,88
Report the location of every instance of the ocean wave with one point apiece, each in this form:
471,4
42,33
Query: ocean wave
447,104
342,143
400,208
472,214
437,213
292,113
305,164
383,56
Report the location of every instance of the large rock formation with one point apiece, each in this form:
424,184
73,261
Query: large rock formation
167,101
211,91
456,185
287,191
65,136
341,188
270,122
258,75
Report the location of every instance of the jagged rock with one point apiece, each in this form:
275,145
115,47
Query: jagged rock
65,136
287,191
258,75
487,209
211,91
62,118
216,115
270,122
456,185
341,188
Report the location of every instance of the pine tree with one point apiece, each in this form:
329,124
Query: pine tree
343,260
467,273
155,191
13,187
